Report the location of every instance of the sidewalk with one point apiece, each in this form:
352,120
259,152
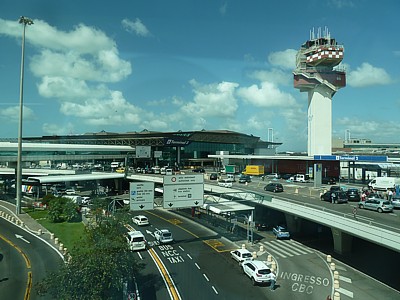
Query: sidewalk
25,221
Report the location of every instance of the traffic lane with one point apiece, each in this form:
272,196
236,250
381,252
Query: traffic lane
150,282
304,276
13,272
43,259
226,274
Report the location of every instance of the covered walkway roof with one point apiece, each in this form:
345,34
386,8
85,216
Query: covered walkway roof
80,177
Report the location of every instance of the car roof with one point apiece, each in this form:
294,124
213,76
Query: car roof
241,250
164,230
259,264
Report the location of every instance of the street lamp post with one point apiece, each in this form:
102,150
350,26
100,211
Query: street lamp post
24,21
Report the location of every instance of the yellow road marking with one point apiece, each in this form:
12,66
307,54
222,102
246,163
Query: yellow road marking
167,277
28,265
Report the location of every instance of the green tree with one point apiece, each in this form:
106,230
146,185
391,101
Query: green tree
55,210
98,267
70,210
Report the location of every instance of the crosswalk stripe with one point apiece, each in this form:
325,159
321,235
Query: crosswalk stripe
284,248
277,251
302,246
292,246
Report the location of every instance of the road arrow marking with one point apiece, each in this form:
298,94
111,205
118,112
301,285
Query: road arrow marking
22,238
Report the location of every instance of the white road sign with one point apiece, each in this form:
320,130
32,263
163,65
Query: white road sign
183,191
141,195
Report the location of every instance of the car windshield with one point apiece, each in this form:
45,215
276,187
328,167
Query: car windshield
245,255
167,234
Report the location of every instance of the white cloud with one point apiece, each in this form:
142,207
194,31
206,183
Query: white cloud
56,129
11,114
277,76
136,27
284,59
266,95
367,75
341,3
223,8
213,100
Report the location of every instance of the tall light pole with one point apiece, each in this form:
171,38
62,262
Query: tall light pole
24,21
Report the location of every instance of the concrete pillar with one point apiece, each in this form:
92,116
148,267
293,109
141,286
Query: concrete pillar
336,296
333,266
243,246
261,248
329,258
269,258
254,255
293,223
56,241
39,232
273,266
52,236
61,247
342,242
336,275
336,284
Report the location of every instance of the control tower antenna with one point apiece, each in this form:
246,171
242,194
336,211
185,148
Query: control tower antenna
317,73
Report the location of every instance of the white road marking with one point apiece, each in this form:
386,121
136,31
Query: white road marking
189,255
345,292
198,267
345,279
277,251
180,247
205,276
215,290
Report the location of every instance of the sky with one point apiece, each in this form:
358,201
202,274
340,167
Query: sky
126,66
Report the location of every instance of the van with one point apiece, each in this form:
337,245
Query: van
168,171
384,183
136,240
115,164
230,177
300,178
225,183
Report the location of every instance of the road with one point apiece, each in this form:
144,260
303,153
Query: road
23,254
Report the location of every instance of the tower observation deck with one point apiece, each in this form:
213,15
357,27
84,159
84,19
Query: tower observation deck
317,72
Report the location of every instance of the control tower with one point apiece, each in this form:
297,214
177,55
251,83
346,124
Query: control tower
317,73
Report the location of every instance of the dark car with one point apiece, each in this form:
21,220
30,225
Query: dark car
335,188
328,180
353,194
213,176
338,196
244,179
273,187
199,170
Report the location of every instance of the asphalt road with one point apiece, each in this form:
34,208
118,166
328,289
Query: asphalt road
23,255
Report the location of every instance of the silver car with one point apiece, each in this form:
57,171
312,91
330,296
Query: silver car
380,205
396,202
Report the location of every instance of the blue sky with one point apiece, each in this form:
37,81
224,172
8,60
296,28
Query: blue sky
125,66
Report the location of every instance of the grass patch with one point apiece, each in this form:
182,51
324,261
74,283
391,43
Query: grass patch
68,233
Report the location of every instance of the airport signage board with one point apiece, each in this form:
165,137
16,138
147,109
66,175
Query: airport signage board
141,195
364,158
183,191
143,151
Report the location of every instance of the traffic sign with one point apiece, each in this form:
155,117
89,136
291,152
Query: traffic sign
141,195
183,191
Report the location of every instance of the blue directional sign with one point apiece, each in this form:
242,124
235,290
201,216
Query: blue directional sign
364,158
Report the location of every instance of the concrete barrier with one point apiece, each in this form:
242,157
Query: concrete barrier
336,275
296,191
61,247
52,236
254,255
269,258
39,232
243,246
329,258
333,266
56,241
336,284
261,248
336,296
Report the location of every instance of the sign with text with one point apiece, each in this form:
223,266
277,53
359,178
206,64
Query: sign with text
183,191
141,195
143,151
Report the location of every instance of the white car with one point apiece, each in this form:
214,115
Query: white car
163,236
241,255
225,183
257,271
70,191
140,220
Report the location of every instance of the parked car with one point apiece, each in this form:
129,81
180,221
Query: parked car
281,232
353,194
241,255
335,188
199,170
140,220
258,271
380,205
338,196
213,176
244,179
328,180
274,187
164,236
70,191
225,183
396,202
